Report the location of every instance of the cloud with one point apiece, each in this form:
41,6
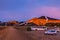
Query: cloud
26,9
48,11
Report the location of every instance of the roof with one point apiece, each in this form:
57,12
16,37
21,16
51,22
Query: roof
38,26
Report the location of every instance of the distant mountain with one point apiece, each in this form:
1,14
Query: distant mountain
43,17
22,21
51,18
38,21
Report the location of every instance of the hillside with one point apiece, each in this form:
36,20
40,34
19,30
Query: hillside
43,20
43,17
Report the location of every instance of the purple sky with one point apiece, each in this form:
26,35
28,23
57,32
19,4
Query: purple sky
26,9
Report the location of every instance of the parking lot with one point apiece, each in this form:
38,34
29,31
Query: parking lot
11,33
39,35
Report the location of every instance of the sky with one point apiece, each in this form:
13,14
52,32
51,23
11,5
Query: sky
26,9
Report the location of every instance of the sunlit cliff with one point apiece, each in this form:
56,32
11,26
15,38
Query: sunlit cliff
43,21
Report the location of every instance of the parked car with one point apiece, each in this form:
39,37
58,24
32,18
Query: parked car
57,29
53,32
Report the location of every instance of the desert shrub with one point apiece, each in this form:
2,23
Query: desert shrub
1,28
3,24
28,28
50,24
57,24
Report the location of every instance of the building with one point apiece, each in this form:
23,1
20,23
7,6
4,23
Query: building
39,28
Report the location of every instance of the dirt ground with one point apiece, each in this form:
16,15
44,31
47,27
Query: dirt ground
39,35
11,33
